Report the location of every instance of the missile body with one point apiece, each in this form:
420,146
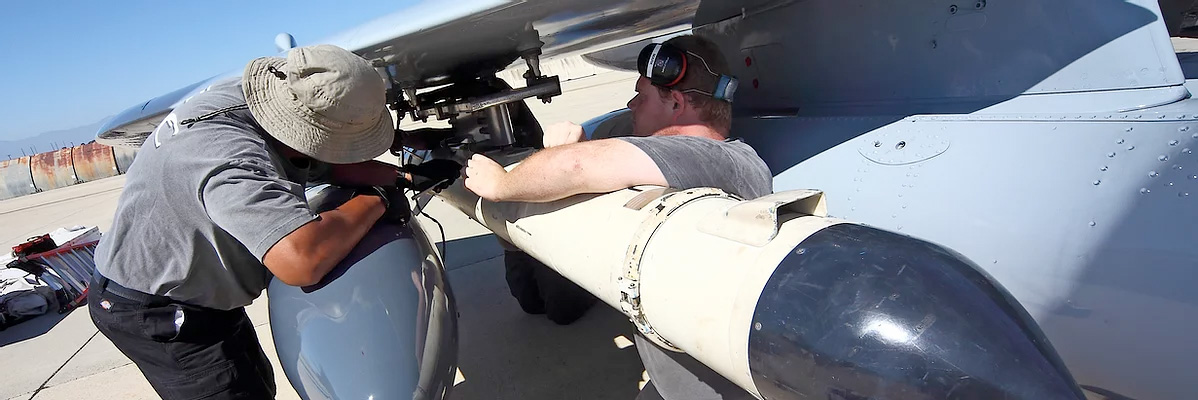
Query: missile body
784,301
381,325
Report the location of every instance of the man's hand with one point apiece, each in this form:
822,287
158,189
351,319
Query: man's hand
563,133
485,177
396,204
439,173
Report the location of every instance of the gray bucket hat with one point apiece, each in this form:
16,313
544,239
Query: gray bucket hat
323,101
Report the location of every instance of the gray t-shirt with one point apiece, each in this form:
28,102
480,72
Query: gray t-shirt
202,204
690,162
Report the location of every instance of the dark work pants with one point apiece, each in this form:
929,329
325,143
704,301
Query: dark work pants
215,354
541,290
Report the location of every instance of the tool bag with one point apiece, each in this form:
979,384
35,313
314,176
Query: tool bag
36,244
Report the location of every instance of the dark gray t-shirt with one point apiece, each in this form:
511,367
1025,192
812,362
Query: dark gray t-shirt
202,204
690,162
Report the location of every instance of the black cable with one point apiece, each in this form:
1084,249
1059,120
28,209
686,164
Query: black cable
432,187
410,154
420,211
444,245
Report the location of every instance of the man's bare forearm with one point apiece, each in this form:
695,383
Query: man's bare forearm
303,257
598,166
551,174
343,228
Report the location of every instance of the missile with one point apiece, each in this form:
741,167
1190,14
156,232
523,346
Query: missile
381,325
783,300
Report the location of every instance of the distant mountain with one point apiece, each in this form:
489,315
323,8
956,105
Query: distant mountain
51,140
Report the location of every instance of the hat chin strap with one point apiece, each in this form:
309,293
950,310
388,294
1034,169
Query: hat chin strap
213,114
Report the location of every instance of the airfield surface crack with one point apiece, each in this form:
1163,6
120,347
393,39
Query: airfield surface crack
64,364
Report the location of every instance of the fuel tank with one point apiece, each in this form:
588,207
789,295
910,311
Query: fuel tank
381,325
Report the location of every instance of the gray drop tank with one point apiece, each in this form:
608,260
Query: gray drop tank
381,325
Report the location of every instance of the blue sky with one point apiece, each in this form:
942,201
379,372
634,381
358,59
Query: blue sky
68,64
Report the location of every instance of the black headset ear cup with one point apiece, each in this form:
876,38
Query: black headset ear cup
642,60
663,65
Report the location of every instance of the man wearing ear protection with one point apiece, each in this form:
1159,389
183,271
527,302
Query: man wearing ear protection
681,121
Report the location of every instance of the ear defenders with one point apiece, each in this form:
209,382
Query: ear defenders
666,66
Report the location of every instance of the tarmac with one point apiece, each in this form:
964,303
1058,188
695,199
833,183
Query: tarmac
503,353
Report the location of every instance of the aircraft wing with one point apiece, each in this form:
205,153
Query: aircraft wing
429,41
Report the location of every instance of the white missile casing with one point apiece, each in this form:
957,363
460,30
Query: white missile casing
784,301
696,259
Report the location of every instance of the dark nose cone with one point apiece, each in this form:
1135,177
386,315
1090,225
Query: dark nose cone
859,313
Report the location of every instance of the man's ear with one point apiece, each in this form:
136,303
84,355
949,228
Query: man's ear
680,103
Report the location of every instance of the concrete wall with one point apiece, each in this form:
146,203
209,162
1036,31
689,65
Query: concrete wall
61,168
124,158
94,161
15,179
53,170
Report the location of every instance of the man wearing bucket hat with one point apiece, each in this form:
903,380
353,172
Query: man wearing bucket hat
214,206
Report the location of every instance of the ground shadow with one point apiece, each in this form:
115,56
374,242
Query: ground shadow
31,328
469,251
504,353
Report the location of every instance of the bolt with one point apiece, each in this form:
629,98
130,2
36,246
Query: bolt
952,9
980,4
